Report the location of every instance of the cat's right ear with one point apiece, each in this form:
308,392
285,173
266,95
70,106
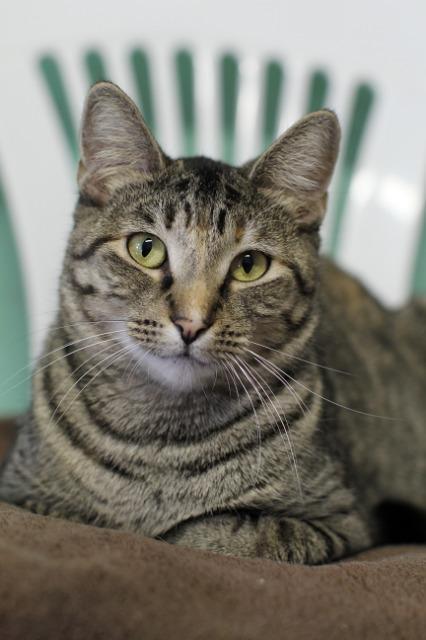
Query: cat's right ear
299,165
115,141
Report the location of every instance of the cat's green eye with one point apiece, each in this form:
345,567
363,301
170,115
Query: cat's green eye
147,250
249,266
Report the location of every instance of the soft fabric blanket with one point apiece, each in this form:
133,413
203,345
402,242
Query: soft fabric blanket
61,580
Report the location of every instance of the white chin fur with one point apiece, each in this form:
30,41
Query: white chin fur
178,373
181,374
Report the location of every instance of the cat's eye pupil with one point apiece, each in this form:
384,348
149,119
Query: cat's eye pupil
146,247
247,262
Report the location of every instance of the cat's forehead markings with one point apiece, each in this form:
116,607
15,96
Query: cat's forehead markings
169,214
188,213
221,220
232,195
182,185
239,232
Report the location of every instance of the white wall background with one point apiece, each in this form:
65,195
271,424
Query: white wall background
382,42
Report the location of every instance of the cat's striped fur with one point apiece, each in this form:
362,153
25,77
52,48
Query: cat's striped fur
288,428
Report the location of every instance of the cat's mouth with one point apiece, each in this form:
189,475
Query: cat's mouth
185,357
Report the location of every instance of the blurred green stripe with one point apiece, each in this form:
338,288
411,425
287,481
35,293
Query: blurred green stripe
272,98
317,92
419,273
14,338
139,63
53,78
229,96
362,105
184,67
95,66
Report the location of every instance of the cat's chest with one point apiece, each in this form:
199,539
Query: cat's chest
183,483
166,498
166,480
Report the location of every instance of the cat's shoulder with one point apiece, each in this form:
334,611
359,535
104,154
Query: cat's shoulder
342,289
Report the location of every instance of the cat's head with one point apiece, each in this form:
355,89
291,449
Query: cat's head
201,261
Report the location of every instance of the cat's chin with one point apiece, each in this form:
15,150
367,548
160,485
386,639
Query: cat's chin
180,373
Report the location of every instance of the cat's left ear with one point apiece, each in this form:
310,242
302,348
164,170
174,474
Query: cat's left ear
299,165
115,143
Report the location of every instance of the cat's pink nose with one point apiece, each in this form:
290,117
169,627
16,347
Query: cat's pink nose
189,329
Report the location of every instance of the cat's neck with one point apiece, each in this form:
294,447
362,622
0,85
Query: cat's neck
123,398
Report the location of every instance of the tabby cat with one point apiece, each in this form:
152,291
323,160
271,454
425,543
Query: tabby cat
210,380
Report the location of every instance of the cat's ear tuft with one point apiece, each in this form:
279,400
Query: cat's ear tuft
301,162
114,141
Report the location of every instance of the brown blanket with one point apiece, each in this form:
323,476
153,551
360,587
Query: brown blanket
61,580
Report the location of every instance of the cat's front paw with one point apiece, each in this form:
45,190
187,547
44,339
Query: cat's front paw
243,535
213,533
283,539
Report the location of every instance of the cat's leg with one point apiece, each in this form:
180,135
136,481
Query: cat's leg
308,541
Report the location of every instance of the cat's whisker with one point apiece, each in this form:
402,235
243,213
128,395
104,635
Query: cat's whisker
54,327
222,366
74,324
114,357
233,381
129,370
256,418
66,355
132,371
259,431
204,392
276,372
285,425
336,404
49,353
265,407
288,355
72,373
215,379
138,363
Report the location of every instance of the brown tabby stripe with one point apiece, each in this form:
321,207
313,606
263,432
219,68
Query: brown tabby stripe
135,438
273,431
94,246
73,363
304,287
85,200
145,216
328,538
170,213
185,438
296,326
167,282
83,289
221,220
76,438
188,213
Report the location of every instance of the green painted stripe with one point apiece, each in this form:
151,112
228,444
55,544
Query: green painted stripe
229,95
362,104
317,91
95,66
139,64
184,67
53,78
14,340
419,273
272,98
